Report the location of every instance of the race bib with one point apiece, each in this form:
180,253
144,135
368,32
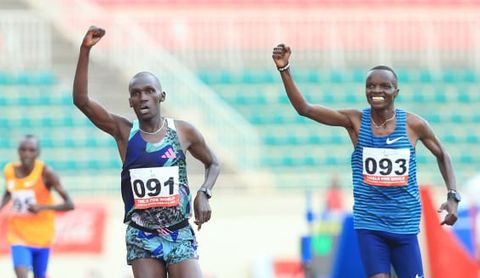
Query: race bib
386,167
155,187
22,200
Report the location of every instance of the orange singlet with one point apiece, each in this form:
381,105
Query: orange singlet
24,227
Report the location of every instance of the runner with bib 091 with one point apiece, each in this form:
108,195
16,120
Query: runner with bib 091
155,190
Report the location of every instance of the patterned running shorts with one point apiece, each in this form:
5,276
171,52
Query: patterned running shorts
178,246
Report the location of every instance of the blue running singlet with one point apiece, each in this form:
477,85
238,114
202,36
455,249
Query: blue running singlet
386,195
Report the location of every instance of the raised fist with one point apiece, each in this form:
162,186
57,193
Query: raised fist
281,54
93,35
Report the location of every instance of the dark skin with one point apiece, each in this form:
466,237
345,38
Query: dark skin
28,151
381,91
145,99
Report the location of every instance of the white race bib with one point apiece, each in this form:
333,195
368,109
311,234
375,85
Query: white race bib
155,187
21,200
386,167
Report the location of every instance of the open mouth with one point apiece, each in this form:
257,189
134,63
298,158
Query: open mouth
377,99
144,109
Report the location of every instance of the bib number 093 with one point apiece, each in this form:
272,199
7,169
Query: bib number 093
386,167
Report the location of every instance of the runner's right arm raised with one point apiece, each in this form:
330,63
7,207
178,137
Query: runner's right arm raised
110,123
344,118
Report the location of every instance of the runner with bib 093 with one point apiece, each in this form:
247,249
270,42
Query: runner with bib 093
387,208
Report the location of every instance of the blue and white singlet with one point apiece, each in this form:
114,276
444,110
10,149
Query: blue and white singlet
386,195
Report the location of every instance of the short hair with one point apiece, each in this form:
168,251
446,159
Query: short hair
31,137
146,73
383,67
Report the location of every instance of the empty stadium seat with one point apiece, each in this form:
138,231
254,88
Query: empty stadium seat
32,102
27,78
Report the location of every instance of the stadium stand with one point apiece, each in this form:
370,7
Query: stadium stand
226,45
433,58
32,102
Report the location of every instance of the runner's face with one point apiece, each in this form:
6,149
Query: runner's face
381,89
145,96
28,152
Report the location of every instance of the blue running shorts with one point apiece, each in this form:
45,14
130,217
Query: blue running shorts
381,250
175,247
31,257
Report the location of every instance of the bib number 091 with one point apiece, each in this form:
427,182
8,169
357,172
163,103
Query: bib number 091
152,187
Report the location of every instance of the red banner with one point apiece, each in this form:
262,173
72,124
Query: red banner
77,231
447,258
288,268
